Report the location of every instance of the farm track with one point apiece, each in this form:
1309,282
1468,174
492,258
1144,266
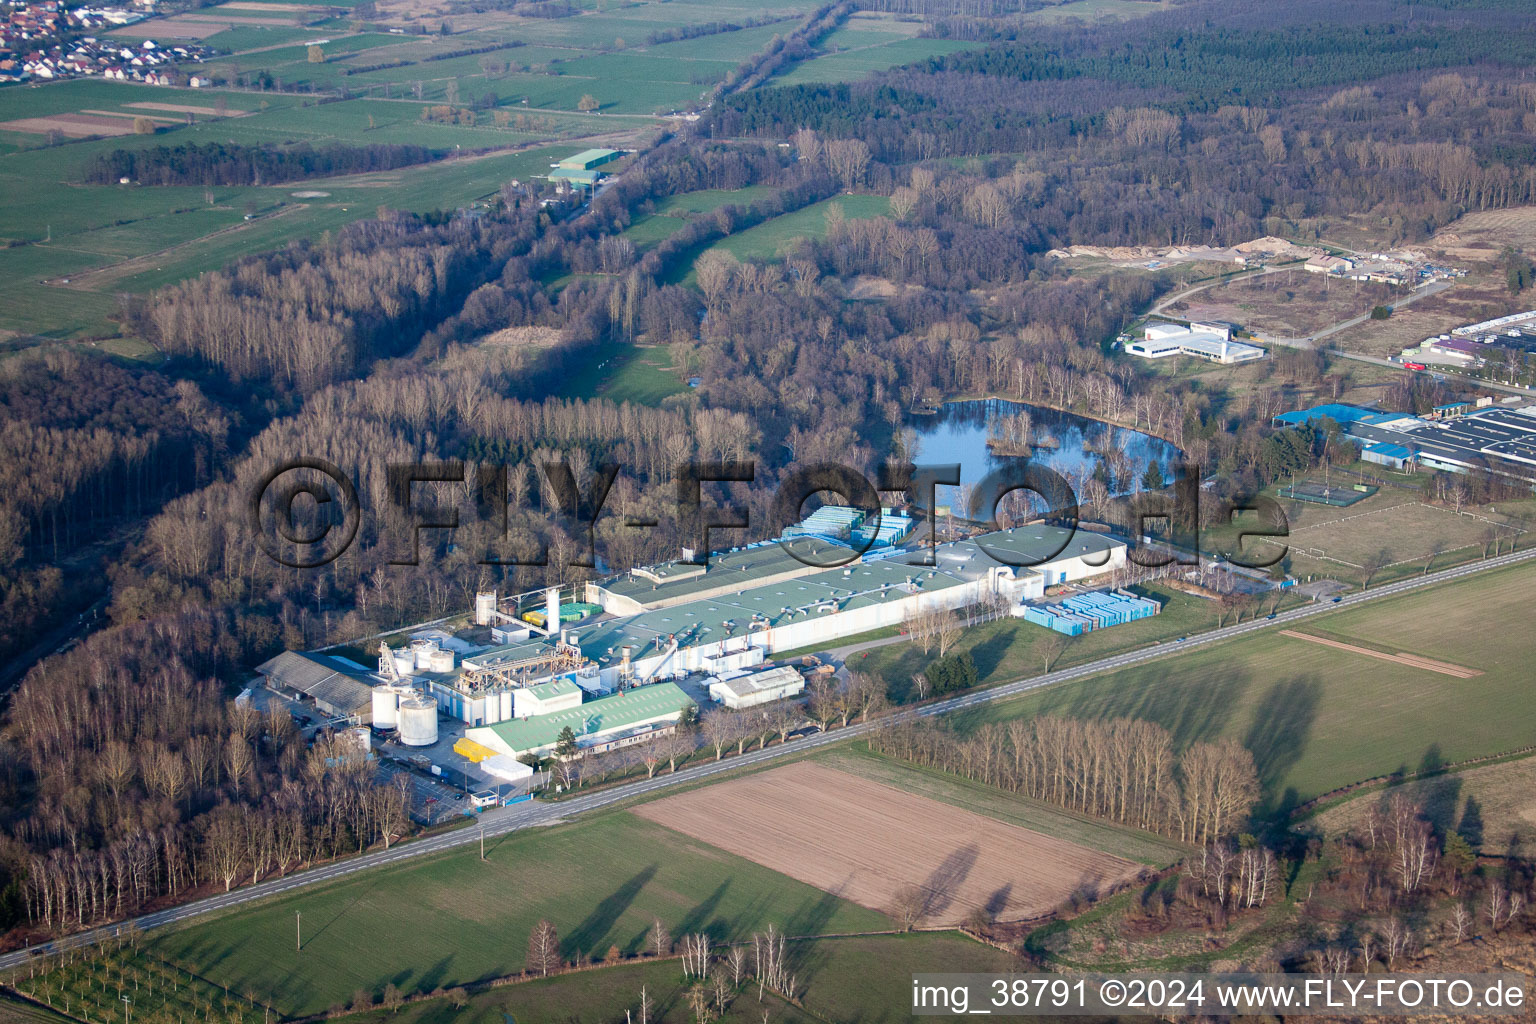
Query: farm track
1411,660
531,815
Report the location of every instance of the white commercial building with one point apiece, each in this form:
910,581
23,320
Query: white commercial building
545,698
745,691
1205,341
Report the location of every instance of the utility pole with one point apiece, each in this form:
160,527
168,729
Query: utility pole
482,838
298,934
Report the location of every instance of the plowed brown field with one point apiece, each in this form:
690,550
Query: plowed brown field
864,841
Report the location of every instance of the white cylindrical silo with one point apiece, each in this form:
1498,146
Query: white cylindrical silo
386,699
423,654
485,608
418,721
440,661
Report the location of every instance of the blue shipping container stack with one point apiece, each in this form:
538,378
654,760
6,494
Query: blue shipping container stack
1082,613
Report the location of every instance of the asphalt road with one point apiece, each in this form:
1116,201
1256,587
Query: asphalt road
505,820
1432,288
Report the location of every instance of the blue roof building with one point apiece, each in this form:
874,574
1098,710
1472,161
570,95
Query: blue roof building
1340,413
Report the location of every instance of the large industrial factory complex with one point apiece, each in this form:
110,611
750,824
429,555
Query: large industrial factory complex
610,678
1458,438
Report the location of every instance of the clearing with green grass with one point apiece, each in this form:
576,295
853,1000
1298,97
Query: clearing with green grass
626,373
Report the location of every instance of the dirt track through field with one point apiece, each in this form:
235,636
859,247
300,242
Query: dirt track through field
864,841
75,126
1401,658
187,108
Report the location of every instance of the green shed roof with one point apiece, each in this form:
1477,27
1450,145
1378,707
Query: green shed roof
590,158
604,715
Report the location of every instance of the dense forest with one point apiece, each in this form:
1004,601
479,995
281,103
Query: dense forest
1180,127
229,163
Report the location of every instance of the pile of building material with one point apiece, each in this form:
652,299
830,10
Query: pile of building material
1082,613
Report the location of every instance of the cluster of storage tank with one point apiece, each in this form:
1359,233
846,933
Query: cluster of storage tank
411,713
423,656
1082,613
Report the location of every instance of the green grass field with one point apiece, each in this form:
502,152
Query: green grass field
865,979
772,238
767,240
866,53
453,919
179,232
1317,718
110,239
626,373
1007,649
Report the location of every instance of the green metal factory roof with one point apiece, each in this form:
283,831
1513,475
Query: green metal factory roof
590,158
737,591
604,715
554,688
739,569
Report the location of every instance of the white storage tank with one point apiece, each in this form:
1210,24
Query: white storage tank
418,721
485,608
423,650
386,701
440,661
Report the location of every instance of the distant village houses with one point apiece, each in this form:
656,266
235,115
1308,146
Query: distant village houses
40,42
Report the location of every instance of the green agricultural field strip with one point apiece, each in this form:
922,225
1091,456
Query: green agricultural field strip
601,881
532,814
1299,706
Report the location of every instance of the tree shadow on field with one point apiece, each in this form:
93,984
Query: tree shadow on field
1278,735
1192,706
429,979
606,914
941,883
698,919
1471,825
811,918
997,903
989,654
363,890
1439,794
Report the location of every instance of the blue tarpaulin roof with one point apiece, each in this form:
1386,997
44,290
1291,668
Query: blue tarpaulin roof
1339,413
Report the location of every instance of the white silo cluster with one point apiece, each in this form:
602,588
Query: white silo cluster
386,704
422,656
